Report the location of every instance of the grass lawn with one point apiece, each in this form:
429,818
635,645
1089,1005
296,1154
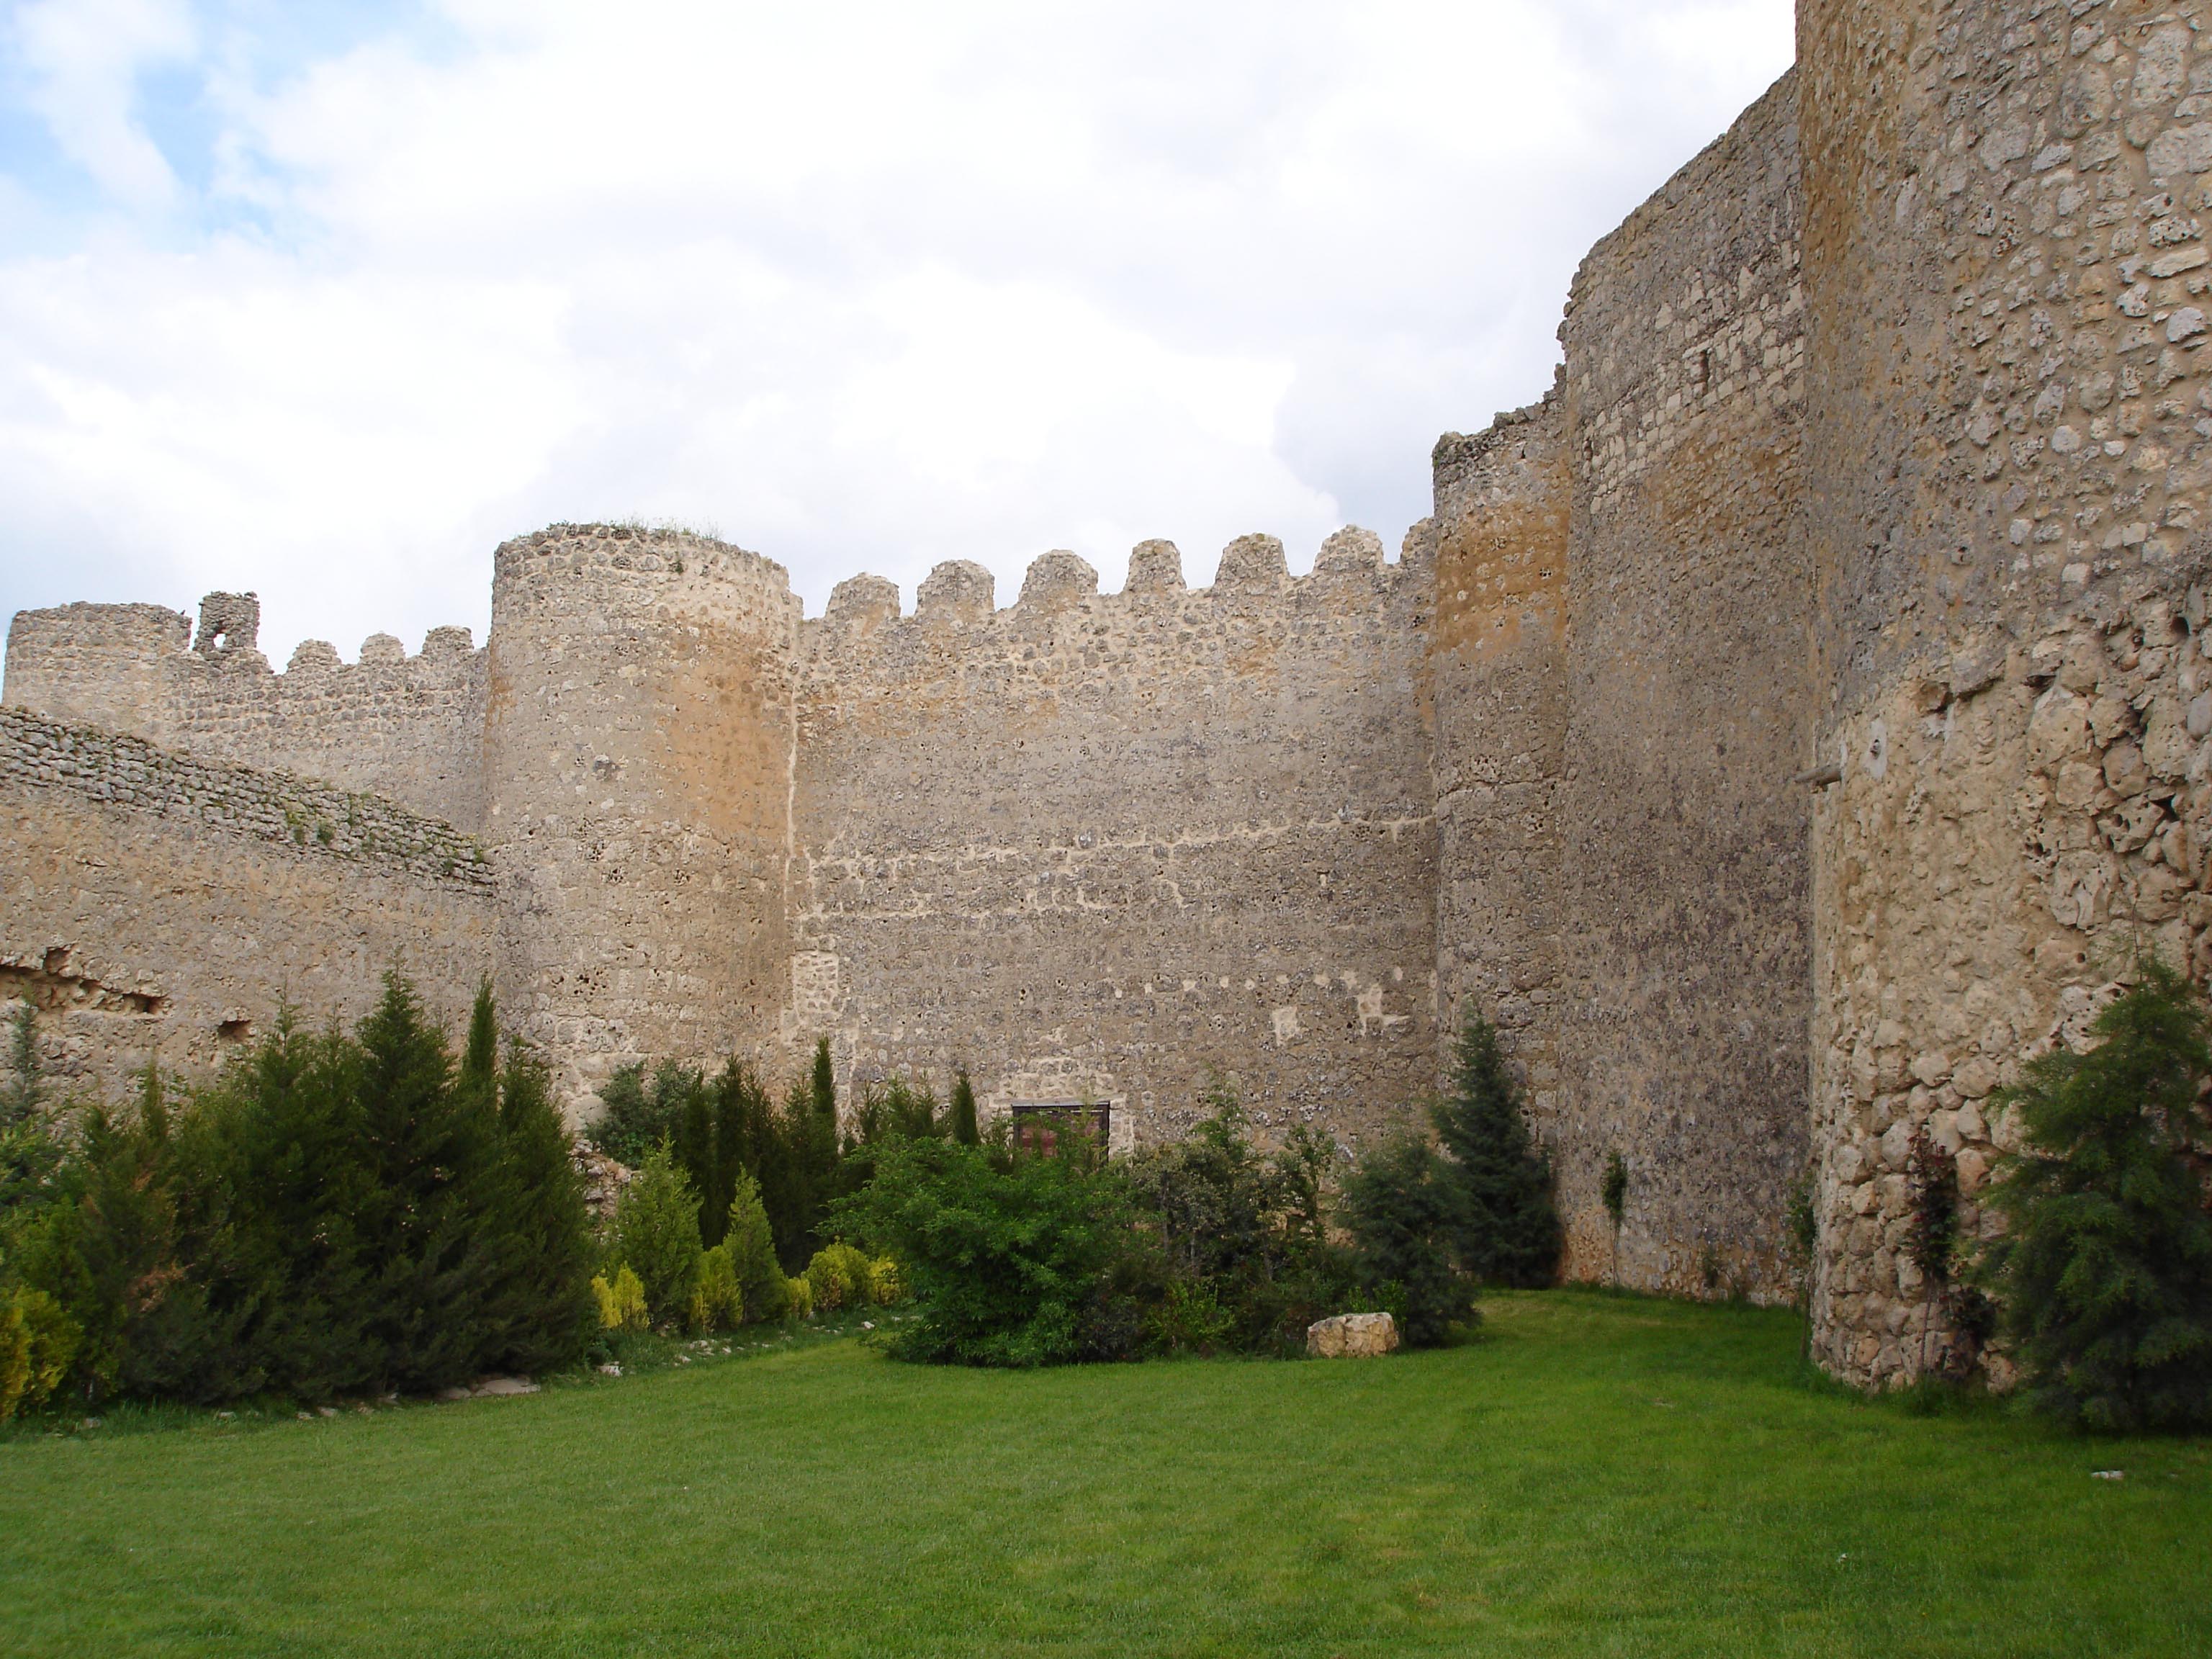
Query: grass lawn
1597,1475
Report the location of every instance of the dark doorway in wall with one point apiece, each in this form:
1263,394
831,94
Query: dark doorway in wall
1040,1126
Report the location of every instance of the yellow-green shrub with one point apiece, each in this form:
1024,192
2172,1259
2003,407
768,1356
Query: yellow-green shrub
37,1342
886,1284
621,1304
718,1302
800,1295
839,1275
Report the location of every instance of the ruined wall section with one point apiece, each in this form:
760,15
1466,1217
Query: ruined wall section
411,728
2008,398
1682,897
1097,846
1497,670
638,762
157,907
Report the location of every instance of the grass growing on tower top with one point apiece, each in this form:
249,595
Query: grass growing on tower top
1599,1475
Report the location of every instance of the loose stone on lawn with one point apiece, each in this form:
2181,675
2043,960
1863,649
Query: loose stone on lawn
1352,1336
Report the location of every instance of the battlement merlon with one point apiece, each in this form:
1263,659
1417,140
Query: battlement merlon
962,593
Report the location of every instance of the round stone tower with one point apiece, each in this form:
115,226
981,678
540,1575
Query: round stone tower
638,749
2006,289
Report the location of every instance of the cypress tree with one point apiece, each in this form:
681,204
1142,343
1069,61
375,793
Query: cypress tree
287,1182
478,1081
817,1149
752,1254
2103,1274
733,1136
1509,1230
657,1234
545,1307
695,1144
25,1091
964,1129
434,1156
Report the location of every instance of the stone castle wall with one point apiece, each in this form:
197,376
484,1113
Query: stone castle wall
159,908
1783,729
1101,846
637,771
1622,700
2006,283
1684,874
408,727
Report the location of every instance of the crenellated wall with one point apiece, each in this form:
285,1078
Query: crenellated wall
408,727
1104,845
1783,729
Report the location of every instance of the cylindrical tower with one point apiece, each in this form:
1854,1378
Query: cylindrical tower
638,738
2007,460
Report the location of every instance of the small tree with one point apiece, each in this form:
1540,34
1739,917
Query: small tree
752,1255
2103,1274
1403,1205
657,1234
965,1128
544,1305
25,1090
1510,1230
1615,1191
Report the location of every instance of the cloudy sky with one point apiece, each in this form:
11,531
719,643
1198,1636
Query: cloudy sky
324,299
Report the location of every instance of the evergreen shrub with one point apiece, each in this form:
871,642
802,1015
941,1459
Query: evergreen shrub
621,1302
2102,1273
656,1235
38,1341
336,1213
1406,1211
1507,1229
839,1276
718,1301
763,1289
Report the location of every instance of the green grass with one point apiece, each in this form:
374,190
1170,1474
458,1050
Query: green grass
1598,1475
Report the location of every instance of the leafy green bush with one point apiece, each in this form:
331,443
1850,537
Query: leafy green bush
1404,1207
1005,1255
799,1298
1508,1231
2103,1273
1245,1261
656,1235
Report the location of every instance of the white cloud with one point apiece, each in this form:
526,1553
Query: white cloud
83,59
863,287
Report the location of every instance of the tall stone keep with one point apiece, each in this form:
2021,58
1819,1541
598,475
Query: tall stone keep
638,753
2006,279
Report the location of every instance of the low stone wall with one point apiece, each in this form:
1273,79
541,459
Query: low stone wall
158,908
